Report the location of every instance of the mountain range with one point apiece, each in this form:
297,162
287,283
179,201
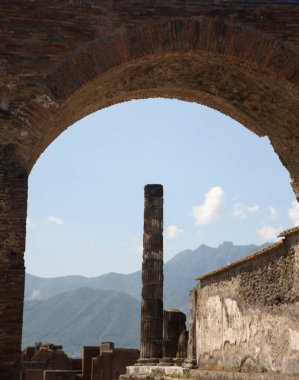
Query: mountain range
76,310
83,317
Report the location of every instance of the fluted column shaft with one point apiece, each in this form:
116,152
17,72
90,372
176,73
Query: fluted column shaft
152,274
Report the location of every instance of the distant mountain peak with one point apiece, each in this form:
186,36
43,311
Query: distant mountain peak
76,310
227,244
203,246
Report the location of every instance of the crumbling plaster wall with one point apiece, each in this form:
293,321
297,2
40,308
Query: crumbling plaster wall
247,316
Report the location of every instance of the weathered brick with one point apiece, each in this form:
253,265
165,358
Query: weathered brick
62,60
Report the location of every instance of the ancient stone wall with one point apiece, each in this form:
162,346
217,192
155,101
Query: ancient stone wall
13,208
239,57
89,352
47,357
247,68
60,375
247,314
109,365
32,374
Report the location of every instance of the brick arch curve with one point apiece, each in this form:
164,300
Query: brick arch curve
238,71
63,60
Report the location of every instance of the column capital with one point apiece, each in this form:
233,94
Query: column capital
153,190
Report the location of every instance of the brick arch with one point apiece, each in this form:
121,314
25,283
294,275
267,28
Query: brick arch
246,75
204,35
61,60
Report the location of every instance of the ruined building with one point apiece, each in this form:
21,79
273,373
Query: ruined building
46,357
244,321
63,60
245,317
163,332
49,362
108,363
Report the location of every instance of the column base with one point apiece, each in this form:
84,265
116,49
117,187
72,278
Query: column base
189,364
179,361
147,361
166,362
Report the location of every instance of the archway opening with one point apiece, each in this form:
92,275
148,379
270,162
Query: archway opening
222,183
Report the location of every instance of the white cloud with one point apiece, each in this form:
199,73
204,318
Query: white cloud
29,222
240,210
172,232
293,212
212,208
269,233
55,220
273,213
253,209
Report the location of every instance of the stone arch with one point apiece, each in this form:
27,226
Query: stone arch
63,60
235,70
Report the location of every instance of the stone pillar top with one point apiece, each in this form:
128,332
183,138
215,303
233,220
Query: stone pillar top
153,190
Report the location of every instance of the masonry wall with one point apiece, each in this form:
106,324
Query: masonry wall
247,316
89,352
238,57
13,208
109,365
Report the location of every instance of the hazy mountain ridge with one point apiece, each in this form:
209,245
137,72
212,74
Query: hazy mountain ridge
181,271
59,313
43,288
183,267
83,317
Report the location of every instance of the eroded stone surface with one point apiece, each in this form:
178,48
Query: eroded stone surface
247,314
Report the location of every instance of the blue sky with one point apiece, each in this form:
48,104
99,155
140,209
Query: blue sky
85,210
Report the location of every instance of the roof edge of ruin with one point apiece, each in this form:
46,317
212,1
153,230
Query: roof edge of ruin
242,260
289,232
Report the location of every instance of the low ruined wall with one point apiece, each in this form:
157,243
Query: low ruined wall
246,317
60,375
110,365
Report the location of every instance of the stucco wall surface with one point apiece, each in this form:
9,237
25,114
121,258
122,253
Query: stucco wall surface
247,316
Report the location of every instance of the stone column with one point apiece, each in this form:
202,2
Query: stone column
13,209
191,352
152,274
182,350
174,322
